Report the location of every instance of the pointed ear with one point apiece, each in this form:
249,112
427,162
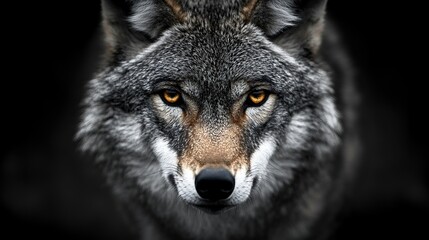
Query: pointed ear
138,21
296,25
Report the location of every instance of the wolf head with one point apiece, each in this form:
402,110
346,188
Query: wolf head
213,101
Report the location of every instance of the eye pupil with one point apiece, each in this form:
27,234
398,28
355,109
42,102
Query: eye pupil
257,97
171,96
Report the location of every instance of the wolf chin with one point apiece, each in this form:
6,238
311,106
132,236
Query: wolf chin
223,119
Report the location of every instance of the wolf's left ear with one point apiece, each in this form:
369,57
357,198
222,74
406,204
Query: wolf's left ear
296,25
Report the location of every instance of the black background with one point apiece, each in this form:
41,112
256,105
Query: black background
50,190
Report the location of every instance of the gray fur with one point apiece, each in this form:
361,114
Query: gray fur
214,56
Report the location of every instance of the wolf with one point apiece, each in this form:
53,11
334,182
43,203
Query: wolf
228,119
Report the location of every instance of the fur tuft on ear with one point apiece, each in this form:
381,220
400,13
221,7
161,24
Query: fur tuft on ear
136,23
273,16
147,17
296,25
153,17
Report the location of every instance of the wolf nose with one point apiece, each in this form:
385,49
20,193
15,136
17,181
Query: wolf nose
214,184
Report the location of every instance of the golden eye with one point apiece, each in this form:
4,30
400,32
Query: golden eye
257,98
170,97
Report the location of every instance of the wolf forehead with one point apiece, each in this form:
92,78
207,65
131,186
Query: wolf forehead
207,55
212,63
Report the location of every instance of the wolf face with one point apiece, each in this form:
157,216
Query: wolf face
216,103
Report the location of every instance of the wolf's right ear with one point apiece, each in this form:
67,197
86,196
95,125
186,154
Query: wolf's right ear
138,21
293,24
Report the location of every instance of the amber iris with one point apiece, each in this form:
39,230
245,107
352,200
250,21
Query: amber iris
257,97
171,96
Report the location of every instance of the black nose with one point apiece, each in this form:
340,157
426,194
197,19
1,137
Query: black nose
214,184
